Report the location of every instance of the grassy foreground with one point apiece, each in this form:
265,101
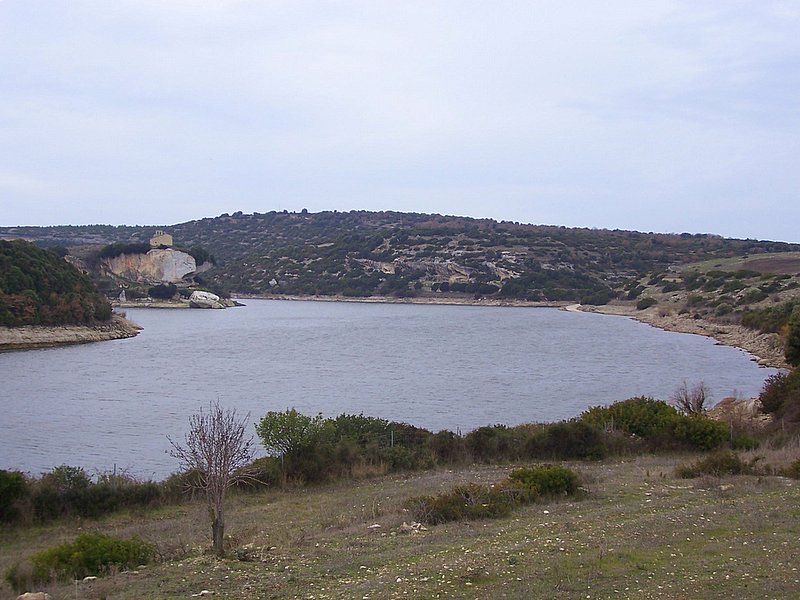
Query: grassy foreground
641,533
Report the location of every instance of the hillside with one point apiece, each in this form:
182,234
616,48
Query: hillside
642,532
360,254
38,287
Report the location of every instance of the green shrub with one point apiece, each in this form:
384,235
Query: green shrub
68,491
547,480
474,501
718,464
660,425
447,447
464,502
723,309
163,291
781,396
495,443
646,303
641,416
699,432
566,440
744,441
90,554
13,488
793,470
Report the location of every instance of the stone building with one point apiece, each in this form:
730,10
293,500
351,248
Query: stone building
161,239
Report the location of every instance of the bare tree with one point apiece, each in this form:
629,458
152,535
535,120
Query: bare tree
690,401
216,450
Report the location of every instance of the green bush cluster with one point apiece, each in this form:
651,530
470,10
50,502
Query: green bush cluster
13,489
780,396
772,318
316,449
38,287
719,463
474,501
69,492
547,480
658,425
646,303
89,554
117,249
163,291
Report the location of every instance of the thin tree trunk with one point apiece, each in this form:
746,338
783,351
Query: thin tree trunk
218,536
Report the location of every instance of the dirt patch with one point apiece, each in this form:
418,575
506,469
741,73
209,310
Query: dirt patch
788,265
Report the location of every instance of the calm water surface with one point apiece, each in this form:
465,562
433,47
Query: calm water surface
439,367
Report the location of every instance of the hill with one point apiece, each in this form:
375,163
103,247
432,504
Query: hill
361,254
38,287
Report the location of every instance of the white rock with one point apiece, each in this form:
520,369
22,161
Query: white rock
205,300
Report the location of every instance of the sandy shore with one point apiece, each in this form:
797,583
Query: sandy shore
765,347
34,336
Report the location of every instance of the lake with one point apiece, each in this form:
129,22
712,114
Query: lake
113,404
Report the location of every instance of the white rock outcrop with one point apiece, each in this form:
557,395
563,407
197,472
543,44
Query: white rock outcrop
157,266
205,300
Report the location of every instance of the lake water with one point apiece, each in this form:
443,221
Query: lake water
441,367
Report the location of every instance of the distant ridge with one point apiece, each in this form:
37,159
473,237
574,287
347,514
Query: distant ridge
361,254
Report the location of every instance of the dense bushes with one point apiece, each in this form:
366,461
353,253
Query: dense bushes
771,319
69,492
567,440
13,488
315,449
474,501
658,424
646,303
117,249
89,554
37,287
717,464
163,291
781,396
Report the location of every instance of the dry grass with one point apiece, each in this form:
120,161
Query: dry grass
642,533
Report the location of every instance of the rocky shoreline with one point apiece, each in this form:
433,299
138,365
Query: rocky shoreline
765,347
36,336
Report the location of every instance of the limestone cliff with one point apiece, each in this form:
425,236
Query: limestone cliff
157,266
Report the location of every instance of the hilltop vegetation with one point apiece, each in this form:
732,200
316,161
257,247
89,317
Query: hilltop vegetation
38,287
360,254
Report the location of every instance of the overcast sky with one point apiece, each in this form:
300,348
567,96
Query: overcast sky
666,116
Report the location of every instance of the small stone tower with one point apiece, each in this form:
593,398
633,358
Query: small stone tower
161,239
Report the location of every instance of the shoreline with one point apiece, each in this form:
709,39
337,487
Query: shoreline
447,301
765,348
44,336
